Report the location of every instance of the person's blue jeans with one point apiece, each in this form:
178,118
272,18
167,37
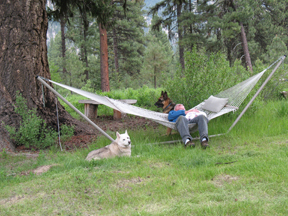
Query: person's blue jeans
183,129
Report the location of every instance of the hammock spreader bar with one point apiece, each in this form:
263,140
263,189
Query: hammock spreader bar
41,79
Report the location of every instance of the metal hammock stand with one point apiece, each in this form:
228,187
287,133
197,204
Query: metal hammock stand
239,92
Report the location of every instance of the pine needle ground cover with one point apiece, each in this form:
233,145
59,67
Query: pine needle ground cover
243,173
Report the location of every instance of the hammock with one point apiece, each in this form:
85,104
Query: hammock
235,95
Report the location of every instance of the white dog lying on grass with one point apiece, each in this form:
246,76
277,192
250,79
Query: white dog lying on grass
120,147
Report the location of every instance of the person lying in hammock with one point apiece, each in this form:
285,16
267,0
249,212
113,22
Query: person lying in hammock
183,118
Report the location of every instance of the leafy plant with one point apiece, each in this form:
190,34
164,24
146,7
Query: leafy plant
33,131
4,153
66,132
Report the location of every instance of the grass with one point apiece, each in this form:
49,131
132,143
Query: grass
242,173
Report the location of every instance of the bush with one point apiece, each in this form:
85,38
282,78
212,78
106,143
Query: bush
33,131
203,76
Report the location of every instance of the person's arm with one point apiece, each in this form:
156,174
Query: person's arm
192,110
173,115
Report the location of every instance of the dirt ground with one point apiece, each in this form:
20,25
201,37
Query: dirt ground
105,123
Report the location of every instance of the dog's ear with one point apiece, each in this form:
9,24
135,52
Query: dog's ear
118,135
165,95
126,132
162,93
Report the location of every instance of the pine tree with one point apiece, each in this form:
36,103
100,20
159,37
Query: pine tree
83,33
158,55
171,18
75,68
276,49
126,42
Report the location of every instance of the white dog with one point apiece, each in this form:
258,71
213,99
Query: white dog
120,147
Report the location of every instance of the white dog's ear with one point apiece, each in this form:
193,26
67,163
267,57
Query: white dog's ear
126,132
118,135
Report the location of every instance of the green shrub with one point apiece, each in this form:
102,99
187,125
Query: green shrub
66,132
203,76
33,131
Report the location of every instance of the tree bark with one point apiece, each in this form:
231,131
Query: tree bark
105,86
245,49
23,56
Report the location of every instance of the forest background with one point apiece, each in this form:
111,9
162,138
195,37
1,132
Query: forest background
148,43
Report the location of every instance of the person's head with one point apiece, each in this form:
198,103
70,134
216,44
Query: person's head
179,107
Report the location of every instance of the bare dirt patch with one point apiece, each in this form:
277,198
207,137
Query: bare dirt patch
38,170
42,169
220,180
11,200
126,183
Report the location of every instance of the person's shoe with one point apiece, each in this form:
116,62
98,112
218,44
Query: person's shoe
204,144
189,144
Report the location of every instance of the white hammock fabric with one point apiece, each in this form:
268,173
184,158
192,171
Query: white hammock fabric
235,94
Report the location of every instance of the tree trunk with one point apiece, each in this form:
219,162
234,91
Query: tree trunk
23,56
190,26
229,55
104,59
181,49
244,41
155,85
115,47
245,49
86,26
62,24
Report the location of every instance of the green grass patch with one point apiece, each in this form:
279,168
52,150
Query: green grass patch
243,173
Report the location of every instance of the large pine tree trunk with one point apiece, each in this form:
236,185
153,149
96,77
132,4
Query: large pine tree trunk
23,56
105,86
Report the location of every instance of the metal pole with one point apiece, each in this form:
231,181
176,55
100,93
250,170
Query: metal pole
259,90
75,109
58,124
